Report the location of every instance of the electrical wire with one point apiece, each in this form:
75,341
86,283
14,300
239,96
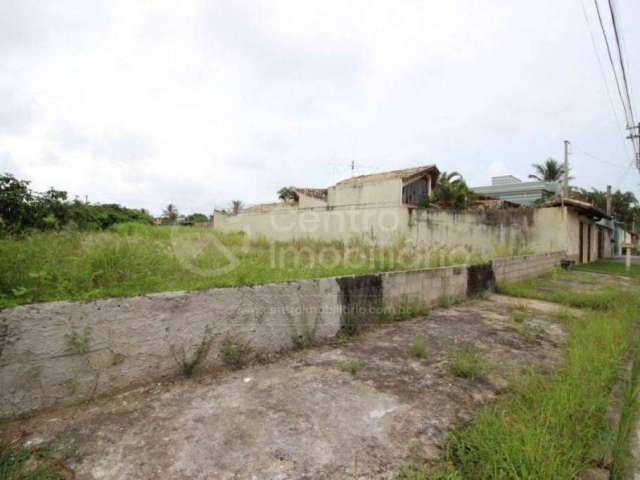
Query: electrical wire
590,155
620,57
613,67
625,147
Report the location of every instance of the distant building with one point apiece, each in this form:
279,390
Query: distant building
514,190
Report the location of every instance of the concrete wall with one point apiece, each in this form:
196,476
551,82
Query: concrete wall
533,230
387,191
607,237
576,222
383,224
307,201
514,269
486,232
58,352
61,352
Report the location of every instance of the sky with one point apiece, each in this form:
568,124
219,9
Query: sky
199,103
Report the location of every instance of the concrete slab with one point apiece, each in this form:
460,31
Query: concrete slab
349,410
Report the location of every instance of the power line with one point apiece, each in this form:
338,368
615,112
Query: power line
604,77
613,66
626,104
622,66
592,156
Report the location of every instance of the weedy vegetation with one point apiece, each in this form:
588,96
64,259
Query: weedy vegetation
352,367
234,354
189,366
520,313
131,259
555,425
466,361
611,268
418,347
19,463
408,307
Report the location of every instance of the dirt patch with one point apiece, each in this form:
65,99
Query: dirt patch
306,415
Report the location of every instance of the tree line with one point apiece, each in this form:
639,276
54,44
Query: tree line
23,209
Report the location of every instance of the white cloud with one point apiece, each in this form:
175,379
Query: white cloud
146,103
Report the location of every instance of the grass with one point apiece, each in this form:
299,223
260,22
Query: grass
608,267
628,417
26,464
418,347
407,308
189,366
133,259
466,361
555,425
520,313
546,288
234,354
352,367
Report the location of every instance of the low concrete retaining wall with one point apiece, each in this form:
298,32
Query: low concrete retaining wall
61,352
513,269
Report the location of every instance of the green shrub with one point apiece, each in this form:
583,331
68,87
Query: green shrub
418,347
466,361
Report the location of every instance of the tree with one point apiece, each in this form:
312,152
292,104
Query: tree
452,191
15,203
288,194
195,218
170,214
624,205
22,209
549,171
236,207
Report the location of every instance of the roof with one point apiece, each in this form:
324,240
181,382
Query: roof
319,193
493,202
582,207
405,174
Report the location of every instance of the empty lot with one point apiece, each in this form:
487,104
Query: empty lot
355,409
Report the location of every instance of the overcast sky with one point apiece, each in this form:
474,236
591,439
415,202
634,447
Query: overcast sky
201,102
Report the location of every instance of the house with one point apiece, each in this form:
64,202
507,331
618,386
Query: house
513,189
370,207
581,227
407,186
385,209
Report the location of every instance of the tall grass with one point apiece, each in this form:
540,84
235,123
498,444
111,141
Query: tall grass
551,427
622,458
134,259
554,426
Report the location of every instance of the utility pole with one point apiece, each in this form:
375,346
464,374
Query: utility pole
633,136
565,185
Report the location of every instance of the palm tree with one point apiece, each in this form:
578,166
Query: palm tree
288,194
549,171
452,191
236,207
170,214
